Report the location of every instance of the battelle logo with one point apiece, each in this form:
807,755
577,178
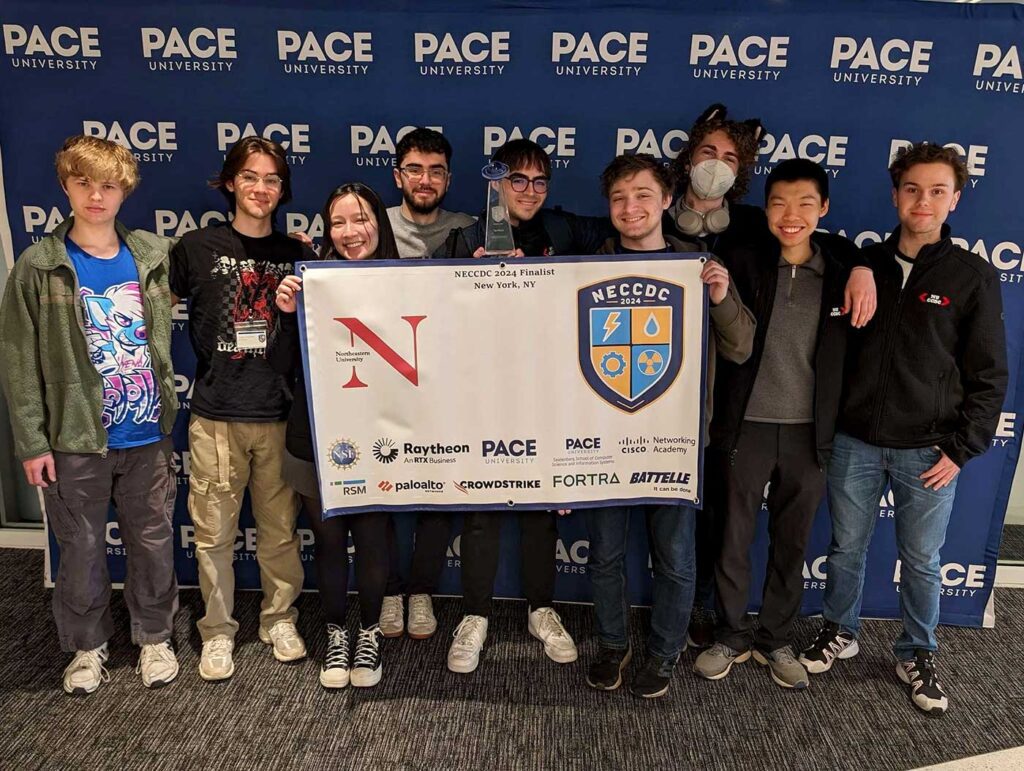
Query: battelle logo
293,137
614,55
177,224
861,61
957,580
993,63
751,58
147,141
375,145
659,478
559,143
973,155
666,146
829,151
385,451
195,50
61,48
473,54
585,480
336,53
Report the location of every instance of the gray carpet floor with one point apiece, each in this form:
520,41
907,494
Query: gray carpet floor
519,710
1013,543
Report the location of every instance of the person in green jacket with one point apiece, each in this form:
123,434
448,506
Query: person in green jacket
85,337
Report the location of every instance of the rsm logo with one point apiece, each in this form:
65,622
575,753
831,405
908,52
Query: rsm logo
60,48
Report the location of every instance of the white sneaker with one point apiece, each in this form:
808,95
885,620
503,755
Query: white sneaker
422,623
464,653
392,623
157,664
334,672
86,671
288,644
216,663
546,626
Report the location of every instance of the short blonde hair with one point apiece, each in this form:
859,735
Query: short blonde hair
98,159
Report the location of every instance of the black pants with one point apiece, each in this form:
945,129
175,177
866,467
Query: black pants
370,537
433,528
481,540
708,535
785,455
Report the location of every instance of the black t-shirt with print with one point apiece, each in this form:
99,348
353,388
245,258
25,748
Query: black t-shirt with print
230,281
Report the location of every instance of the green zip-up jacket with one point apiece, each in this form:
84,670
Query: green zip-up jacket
54,392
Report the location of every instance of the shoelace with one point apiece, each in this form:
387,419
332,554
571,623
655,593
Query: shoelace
551,623
392,608
721,649
825,638
467,634
218,647
337,648
161,652
285,631
419,610
90,660
367,647
922,671
784,656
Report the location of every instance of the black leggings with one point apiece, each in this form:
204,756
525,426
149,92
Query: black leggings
370,535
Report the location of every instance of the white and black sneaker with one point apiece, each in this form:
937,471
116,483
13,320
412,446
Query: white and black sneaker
366,664
831,643
334,671
922,683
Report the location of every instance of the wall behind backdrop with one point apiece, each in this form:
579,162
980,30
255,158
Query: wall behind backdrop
337,87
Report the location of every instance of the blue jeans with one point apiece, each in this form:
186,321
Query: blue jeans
670,533
857,476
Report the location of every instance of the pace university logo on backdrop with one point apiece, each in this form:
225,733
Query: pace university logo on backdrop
630,339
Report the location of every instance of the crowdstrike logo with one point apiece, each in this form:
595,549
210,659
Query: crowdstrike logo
751,58
473,54
973,155
892,62
40,221
375,145
293,137
176,224
613,55
666,145
829,151
957,580
59,48
559,142
148,142
496,484
998,69
193,50
334,54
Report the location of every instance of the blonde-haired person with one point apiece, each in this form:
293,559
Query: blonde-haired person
85,337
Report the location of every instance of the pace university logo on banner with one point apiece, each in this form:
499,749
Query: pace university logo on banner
630,339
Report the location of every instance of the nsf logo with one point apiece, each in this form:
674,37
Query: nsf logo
384,450
344,454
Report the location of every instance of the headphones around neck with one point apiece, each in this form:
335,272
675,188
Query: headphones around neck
694,223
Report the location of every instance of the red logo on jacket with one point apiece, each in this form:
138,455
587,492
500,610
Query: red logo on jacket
934,299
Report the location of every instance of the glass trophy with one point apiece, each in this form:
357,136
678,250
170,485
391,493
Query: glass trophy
498,241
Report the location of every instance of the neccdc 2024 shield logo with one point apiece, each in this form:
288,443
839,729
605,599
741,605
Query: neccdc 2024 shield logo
630,339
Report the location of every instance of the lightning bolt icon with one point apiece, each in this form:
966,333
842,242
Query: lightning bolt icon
611,324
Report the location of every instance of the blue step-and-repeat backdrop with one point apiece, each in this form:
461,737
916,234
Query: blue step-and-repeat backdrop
841,83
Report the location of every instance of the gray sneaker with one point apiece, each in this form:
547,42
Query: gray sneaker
784,667
716,661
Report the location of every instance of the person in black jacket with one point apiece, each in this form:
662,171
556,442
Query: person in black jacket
926,382
538,232
357,229
775,419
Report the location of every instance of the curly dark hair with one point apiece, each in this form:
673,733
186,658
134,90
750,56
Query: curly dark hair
745,135
926,152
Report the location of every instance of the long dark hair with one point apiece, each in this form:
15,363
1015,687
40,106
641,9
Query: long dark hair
387,249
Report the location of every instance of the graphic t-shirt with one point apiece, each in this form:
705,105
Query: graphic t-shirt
230,281
115,332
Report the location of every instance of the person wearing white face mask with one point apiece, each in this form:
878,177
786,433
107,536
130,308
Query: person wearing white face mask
712,174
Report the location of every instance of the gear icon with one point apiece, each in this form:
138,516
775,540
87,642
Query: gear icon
613,364
650,362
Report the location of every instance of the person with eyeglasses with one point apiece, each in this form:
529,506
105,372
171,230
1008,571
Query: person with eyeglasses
423,174
538,232
229,273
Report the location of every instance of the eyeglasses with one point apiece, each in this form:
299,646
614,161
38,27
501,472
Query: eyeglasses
416,172
520,182
249,179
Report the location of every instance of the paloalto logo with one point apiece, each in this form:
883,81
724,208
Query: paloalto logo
59,48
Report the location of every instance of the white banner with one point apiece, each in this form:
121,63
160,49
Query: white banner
534,383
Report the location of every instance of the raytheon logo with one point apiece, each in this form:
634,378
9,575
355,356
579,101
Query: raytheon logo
559,143
893,62
998,69
666,145
293,137
613,55
60,48
149,142
473,54
750,58
375,145
336,53
973,155
193,50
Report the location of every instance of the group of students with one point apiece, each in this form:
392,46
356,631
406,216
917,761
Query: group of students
828,367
